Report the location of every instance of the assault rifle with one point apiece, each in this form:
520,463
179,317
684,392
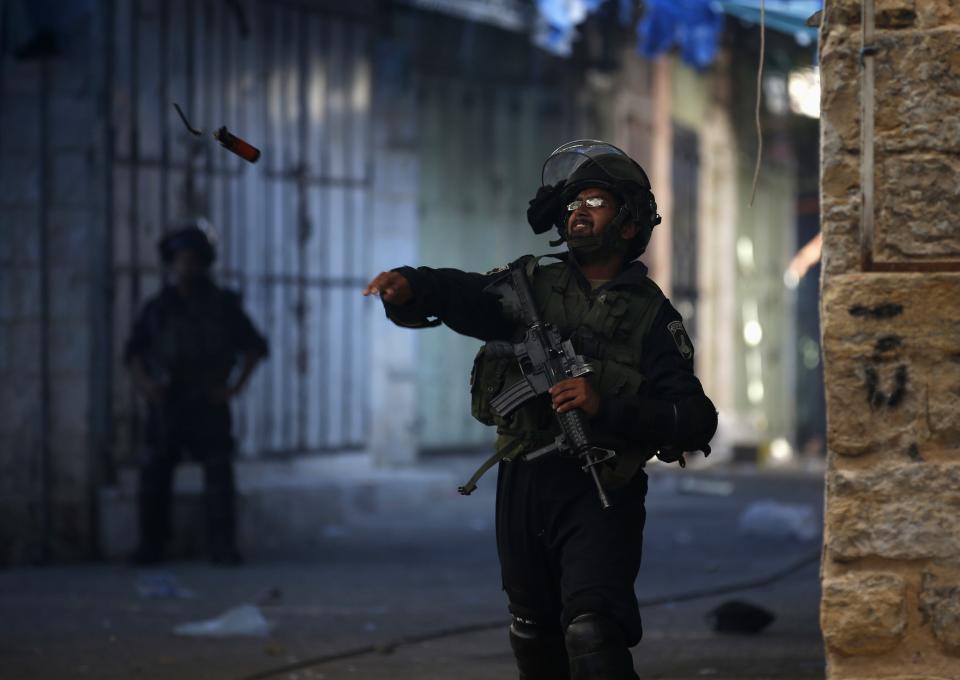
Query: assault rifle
545,360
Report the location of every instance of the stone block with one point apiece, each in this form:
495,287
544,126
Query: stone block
873,407
863,613
918,91
841,13
915,210
840,90
933,13
940,608
922,309
904,511
943,394
895,14
885,336
840,212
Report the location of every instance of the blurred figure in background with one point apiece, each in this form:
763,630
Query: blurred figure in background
183,355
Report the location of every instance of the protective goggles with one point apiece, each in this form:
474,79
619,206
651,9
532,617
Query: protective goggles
592,202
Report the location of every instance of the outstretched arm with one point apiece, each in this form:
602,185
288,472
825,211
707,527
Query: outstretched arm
412,297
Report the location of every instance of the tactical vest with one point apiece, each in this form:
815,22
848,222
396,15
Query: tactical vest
608,328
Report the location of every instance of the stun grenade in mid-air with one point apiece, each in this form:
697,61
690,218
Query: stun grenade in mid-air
227,139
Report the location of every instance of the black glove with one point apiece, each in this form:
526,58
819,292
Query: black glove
671,455
545,207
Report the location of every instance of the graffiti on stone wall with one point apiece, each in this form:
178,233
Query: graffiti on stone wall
880,392
877,395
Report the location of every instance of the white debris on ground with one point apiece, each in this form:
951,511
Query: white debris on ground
245,620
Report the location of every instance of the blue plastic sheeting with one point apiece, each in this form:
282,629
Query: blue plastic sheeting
558,21
695,25
692,25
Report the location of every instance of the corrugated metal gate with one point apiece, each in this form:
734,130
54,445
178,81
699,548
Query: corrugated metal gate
483,145
295,80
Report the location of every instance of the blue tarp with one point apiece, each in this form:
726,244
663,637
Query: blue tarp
558,20
786,16
694,26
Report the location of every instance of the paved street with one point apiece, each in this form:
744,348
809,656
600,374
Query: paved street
369,587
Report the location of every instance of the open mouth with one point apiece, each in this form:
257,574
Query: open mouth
581,227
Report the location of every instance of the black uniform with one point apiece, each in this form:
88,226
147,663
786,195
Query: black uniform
190,345
561,555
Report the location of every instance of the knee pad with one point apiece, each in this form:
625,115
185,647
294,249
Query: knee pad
539,650
597,649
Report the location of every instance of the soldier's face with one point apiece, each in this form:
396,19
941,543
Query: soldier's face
587,221
187,266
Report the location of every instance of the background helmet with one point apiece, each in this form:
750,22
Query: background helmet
589,163
193,236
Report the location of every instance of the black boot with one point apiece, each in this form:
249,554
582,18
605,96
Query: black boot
540,652
597,649
153,504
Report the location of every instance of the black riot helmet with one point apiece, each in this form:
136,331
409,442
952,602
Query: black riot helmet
192,235
588,163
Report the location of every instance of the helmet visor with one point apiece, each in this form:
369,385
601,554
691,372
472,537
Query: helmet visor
567,159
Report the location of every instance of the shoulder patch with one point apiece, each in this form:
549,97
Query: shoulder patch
497,270
680,337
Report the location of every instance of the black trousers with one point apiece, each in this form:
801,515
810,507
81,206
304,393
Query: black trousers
561,554
205,437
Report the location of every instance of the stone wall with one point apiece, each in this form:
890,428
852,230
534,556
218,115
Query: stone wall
891,339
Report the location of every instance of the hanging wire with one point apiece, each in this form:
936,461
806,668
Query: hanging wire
756,169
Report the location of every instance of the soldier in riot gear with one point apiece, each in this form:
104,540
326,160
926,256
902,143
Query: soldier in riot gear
568,566
183,354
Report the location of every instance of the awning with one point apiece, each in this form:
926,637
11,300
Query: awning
786,16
